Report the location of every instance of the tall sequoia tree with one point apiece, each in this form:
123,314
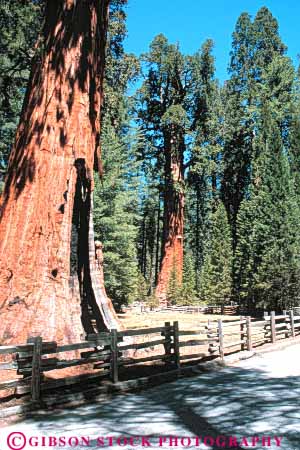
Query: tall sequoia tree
50,180
163,116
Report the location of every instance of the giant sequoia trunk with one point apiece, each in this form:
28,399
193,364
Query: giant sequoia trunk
50,185
172,242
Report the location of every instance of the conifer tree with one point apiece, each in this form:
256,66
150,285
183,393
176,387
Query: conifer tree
216,279
116,220
163,116
267,254
188,291
238,129
205,163
259,71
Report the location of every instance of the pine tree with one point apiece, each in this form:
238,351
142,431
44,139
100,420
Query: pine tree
294,135
117,217
183,293
188,292
239,124
216,279
261,85
259,72
267,260
205,162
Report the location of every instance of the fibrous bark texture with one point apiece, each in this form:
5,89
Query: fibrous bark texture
172,242
50,184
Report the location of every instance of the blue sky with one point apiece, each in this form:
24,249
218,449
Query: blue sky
190,22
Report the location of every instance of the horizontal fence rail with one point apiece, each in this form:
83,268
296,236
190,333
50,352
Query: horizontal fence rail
204,309
108,354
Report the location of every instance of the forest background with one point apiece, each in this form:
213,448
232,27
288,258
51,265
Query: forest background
237,148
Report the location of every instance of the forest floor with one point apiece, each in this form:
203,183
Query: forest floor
132,319
258,397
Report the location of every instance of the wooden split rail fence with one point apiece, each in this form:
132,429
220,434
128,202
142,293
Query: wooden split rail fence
207,309
107,355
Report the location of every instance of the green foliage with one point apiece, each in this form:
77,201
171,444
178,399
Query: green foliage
216,280
259,157
174,288
184,293
176,116
188,294
142,289
152,302
161,102
116,217
20,23
260,72
267,262
205,163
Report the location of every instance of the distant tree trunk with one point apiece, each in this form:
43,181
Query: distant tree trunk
144,248
197,237
157,242
172,241
50,183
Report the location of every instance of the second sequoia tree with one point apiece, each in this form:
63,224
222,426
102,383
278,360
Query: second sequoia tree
164,119
174,110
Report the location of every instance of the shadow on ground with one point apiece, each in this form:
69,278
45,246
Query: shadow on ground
251,399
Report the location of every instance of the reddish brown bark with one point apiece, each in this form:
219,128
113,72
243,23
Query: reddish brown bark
172,243
107,310
50,174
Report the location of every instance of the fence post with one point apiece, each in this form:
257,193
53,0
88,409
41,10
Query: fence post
36,368
273,328
114,356
291,314
209,337
242,335
221,338
249,336
176,344
284,313
167,345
